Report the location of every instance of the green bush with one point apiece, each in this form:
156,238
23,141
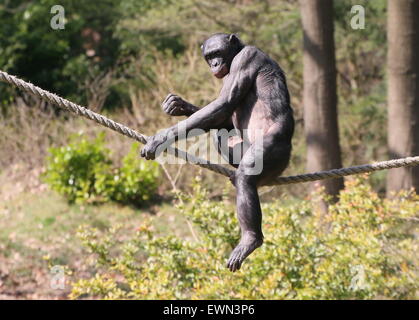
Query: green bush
362,249
136,180
83,172
80,170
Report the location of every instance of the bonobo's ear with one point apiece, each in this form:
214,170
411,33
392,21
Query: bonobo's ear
233,38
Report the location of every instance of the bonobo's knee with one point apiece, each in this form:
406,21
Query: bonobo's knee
243,178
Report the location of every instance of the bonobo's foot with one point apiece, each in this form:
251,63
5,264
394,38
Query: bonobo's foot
246,246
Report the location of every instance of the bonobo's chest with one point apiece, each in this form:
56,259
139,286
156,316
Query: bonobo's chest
253,117
259,112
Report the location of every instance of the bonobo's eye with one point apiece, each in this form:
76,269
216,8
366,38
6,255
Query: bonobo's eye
213,54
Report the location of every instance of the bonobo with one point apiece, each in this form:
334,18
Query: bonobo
254,98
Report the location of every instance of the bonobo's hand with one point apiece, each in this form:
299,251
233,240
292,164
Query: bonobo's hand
153,142
176,106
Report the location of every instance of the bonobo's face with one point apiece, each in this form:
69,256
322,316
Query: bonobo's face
219,51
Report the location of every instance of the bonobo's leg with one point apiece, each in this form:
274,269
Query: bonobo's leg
249,215
275,159
231,149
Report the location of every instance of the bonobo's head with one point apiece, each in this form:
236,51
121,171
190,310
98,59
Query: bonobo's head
219,51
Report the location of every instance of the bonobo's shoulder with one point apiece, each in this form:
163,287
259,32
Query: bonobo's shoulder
249,52
250,56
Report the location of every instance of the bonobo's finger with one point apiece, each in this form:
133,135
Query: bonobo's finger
164,105
172,104
168,96
175,105
146,154
150,152
172,99
150,156
165,108
171,109
178,102
167,103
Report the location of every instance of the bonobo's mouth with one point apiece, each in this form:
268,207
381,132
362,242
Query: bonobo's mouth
221,71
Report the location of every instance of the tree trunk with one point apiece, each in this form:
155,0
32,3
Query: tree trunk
403,91
319,96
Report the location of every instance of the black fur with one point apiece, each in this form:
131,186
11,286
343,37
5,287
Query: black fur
254,96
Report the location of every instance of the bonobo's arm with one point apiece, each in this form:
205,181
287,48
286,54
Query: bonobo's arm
243,72
176,106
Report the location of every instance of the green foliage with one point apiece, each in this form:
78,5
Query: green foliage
356,251
80,170
71,60
30,48
83,172
136,180
148,48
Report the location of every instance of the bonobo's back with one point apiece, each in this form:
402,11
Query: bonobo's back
270,87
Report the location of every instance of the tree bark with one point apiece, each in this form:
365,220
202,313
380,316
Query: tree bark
403,91
319,95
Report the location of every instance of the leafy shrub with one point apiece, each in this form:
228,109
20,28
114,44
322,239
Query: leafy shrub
361,249
80,170
83,172
136,180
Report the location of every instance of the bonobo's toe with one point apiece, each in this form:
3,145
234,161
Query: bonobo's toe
241,252
236,259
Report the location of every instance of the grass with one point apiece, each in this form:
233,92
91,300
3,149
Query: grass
38,231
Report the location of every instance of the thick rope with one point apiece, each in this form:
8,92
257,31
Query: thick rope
124,130
342,172
102,120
